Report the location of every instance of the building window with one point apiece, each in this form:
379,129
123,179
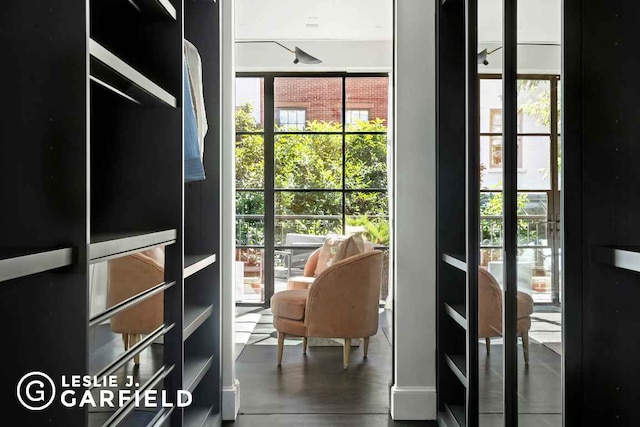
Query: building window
495,127
354,116
292,119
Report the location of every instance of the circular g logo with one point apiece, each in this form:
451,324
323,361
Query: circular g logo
36,391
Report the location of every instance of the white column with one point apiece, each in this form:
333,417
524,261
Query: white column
230,385
413,394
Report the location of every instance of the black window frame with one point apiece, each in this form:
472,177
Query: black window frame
269,134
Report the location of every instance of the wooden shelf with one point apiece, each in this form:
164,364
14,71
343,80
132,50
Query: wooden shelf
194,369
25,263
458,365
158,7
194,316
625,257
455,260
196,416
454,416
457,313
195,263
116,75
113,245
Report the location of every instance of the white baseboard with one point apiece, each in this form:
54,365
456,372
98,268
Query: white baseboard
413,403
231,401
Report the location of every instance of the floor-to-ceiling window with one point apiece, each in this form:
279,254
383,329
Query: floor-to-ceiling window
311,159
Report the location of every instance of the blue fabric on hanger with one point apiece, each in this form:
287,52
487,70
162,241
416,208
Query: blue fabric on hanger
193,168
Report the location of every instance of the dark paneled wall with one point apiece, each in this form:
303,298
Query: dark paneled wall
601,208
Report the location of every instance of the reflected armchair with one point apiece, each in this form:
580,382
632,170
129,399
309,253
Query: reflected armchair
129,276
490,312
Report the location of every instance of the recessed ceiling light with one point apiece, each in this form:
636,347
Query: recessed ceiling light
312,22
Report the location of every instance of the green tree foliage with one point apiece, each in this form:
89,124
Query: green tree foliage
491,205
314,161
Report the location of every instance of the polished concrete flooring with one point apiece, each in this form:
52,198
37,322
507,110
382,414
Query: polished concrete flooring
313,389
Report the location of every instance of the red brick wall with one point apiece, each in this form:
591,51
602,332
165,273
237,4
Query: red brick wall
322,97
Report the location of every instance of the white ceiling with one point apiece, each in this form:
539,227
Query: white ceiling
353,20
539,21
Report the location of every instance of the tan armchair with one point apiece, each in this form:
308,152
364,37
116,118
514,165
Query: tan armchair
490,312
342,302
129,276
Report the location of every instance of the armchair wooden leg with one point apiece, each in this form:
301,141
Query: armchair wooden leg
347,350
366,346
525,346
125,340
304,345
281,336
136,339
487,343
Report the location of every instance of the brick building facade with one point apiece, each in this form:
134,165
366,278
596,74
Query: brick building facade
309,99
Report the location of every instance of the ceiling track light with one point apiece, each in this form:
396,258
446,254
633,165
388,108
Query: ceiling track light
299,54
484,54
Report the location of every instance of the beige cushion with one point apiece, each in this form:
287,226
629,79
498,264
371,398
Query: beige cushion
300,282
336,248
290,304
352,245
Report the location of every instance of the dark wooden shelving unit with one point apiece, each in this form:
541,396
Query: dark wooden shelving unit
455,260
162,8
118,76
195,263
194,316
96,173
195,368
625,257
25,263
113,245
457,214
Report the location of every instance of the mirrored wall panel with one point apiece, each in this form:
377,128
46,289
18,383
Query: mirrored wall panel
539,247
491,220
126,335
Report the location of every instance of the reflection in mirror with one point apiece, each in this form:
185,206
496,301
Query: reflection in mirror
117,327
490,303
539,323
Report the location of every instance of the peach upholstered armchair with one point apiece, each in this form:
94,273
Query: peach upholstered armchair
129,276
490,312
342,302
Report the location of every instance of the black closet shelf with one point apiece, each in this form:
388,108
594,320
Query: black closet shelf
454,416
113,245
194,316
455,260
195,263
457,313
121,78
27,262
197,416
157,7
161,417
458,365
194,369
625,257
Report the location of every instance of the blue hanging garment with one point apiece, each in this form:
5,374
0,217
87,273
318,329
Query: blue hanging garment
193,168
